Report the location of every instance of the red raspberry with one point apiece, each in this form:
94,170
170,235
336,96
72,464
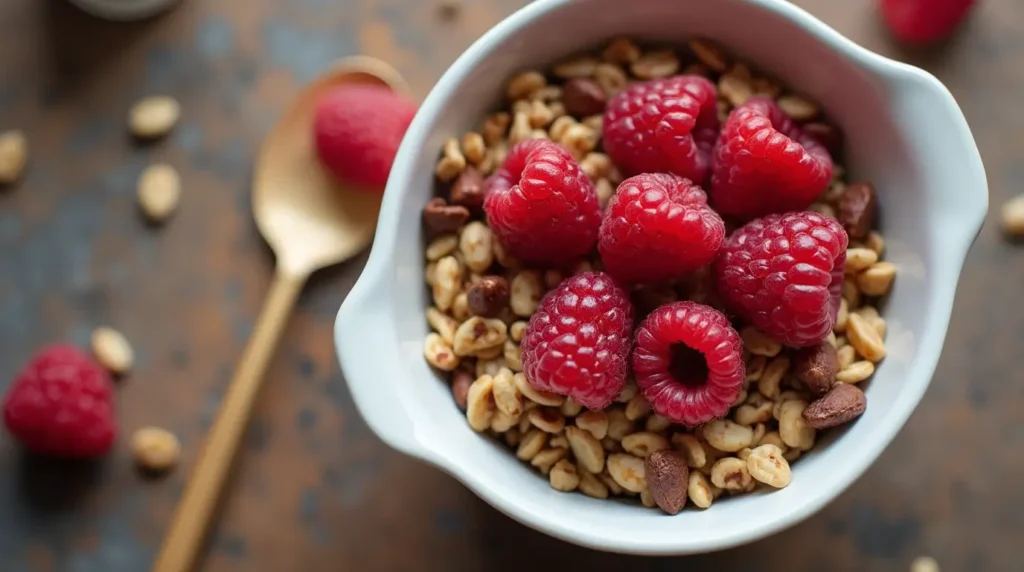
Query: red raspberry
688,362
541,205
658,227
61,404
577,344
357,130
784,274
663,126
924,21
764,163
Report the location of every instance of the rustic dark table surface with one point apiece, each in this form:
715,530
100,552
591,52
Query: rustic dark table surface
315,490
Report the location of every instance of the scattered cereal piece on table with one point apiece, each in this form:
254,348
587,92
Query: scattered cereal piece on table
153,116
155,449
112,350
13,156
159,191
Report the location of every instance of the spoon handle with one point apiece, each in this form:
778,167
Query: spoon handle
186,535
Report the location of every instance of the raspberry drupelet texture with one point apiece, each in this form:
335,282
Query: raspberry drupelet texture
61,404
688,362
577,343
663,126
357,130
658,227
764,163
541,205
784,274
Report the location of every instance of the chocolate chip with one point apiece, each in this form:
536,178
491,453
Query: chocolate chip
468,189
488,296
816,367
857,207
442,217
667,478
583,97
828,135
841,405
460,387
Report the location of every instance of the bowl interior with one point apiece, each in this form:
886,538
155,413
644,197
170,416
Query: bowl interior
877,150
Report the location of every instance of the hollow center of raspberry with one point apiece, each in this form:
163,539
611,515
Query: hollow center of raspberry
688,366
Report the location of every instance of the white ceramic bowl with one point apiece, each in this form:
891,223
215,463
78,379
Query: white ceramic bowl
904,132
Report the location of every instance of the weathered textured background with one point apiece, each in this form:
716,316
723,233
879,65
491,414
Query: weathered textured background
315,489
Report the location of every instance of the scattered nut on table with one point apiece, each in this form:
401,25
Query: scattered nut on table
13,155
153,116
112,350
155,449
159,191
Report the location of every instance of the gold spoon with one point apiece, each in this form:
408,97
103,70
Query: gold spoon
310,221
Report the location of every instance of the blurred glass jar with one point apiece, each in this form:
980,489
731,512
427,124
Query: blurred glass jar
124,9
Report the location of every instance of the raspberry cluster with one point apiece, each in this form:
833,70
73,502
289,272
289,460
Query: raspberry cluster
690,174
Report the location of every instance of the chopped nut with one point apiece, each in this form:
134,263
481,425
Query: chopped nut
442,324
159,191
877,280
13,155
531,444
441,246
628,471
506,396
547,458
460,307
112,350
816,367
477,334
857,208
691,447
447,282
488,297
857,372
594,422
758,343
521,129
575,68
858,259
540,115
621,51
699,490
768,385
731,474
153,116
547,420
657,64
851,293
643,443
475,243
524,84
537,396
709,54
452,162
155,449
460,388
794,431
480,405
766,464
755,368
563,476
667,480
840,406
592,486
735,86
727,436
586,448
579,140
799,108
441,217
439,353
864,338
526,291
583,97
560,126
473,147
637,408
495,128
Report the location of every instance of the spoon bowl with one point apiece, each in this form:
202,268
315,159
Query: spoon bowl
311,220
